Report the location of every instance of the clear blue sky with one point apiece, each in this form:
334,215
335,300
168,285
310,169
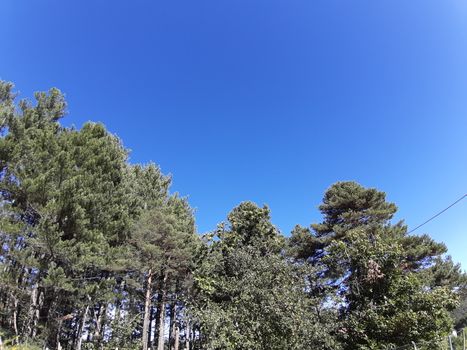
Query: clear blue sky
265,100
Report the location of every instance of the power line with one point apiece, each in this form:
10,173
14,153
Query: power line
436,215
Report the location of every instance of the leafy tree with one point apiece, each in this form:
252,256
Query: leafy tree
68,200
97,253
250,296
377,271
63,190
165,242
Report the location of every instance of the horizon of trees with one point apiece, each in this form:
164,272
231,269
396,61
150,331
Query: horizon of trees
97,253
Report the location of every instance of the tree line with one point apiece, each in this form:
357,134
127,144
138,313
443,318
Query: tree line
97,253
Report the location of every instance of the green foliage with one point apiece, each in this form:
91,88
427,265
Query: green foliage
250,296
96,253
392,287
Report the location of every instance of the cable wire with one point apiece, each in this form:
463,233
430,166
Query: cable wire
436,215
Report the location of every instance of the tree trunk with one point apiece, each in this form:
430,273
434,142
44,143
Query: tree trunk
33,312
118,303
15,316
187,335
81,328
151,322
49,318
59,346
160,341
37,313
161,321
157,318
177,337
99,323
147,305
117,315
172,324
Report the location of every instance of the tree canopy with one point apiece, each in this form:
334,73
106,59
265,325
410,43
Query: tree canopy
98,253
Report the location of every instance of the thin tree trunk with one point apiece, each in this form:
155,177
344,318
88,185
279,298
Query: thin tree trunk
49,313
187,335
81,328
99,323
158,314
163,291
38,306
118,303
160,342
32,311
172,324
117,318
147,304
177,337
59,329
93,332
16,306
157,318
115,323
15,316
151,321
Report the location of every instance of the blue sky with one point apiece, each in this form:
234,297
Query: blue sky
265,100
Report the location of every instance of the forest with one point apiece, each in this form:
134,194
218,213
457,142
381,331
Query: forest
98,253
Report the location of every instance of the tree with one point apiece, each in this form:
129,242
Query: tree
165,253
67,204
64,192
97,253
250,297
377,270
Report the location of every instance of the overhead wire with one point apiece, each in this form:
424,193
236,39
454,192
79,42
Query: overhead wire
438,214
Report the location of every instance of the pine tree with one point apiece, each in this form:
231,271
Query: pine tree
63,192
377,271
97,253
